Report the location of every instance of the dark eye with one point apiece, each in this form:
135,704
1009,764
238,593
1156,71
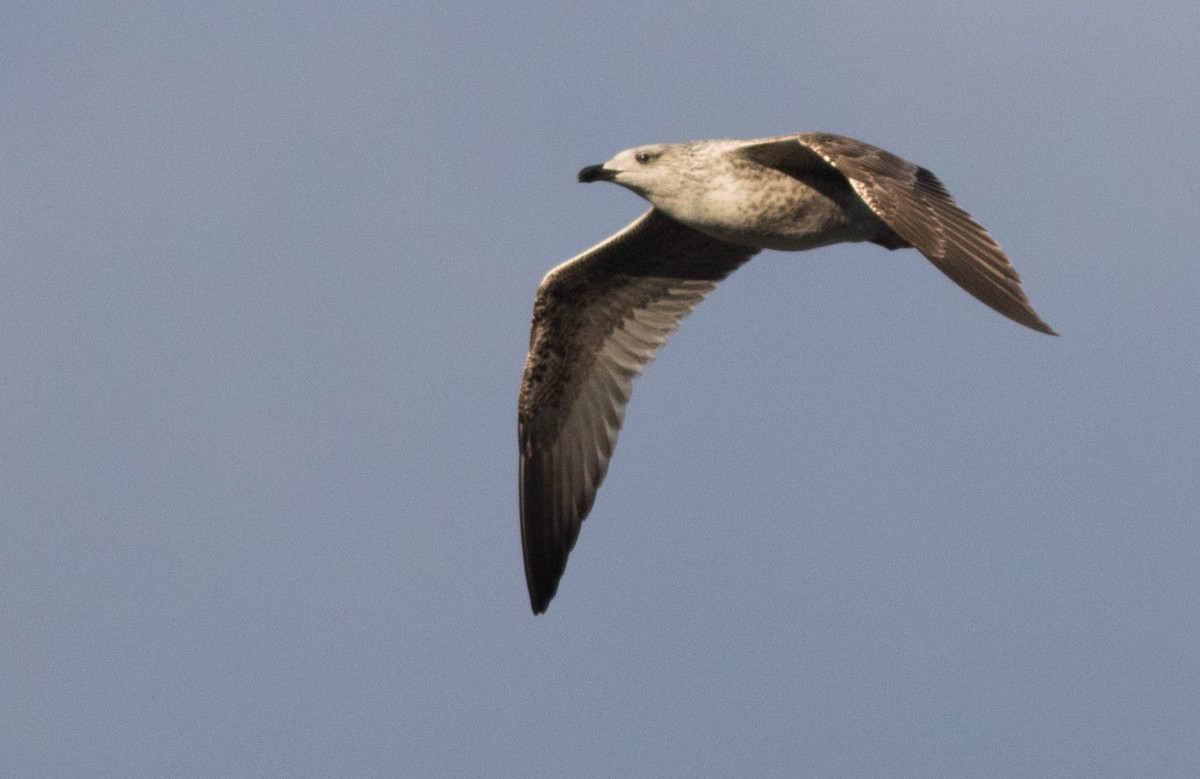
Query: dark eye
643,157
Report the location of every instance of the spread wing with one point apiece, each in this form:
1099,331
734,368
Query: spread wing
912,202
598,320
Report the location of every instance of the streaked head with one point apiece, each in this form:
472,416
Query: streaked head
651,171
692,182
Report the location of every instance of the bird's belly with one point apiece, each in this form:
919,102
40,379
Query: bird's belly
795,232
788,217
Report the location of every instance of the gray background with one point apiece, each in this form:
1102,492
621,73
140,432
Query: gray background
267,272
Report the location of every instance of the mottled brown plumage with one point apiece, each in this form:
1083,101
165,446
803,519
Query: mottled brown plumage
600,317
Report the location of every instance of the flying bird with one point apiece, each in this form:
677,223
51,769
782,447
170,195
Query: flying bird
600,317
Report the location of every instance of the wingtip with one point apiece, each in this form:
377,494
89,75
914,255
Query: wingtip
540,601
1040,326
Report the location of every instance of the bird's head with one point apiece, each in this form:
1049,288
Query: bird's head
653,171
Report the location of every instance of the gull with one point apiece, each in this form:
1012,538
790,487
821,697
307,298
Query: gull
600,317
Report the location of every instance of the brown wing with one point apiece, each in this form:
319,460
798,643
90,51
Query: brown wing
912,201
598,320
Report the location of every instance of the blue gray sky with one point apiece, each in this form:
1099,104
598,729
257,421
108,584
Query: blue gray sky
267,279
